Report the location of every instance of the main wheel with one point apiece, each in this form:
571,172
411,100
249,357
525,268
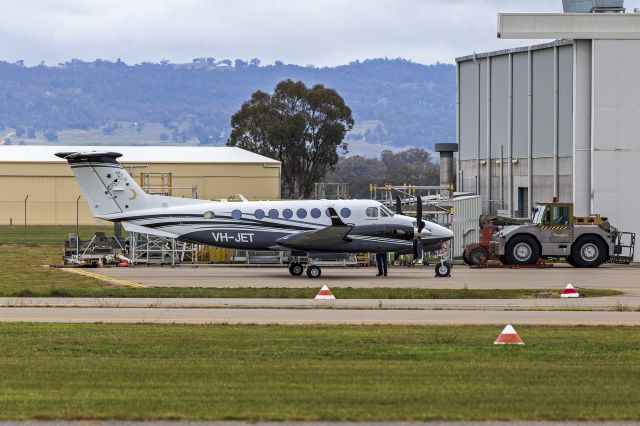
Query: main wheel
522,250
296,269
588,252
313,271
478,256
443,269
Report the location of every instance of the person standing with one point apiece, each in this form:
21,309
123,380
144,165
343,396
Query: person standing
382,259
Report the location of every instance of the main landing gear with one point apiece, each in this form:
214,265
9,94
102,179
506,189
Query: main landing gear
442,267
296,269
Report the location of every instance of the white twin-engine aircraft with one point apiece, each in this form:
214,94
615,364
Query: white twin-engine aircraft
302,226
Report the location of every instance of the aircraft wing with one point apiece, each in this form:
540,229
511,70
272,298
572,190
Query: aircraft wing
322,239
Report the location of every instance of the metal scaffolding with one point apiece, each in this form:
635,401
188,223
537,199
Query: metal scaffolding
153,249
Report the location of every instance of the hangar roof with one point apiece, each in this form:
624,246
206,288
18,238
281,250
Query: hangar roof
135,154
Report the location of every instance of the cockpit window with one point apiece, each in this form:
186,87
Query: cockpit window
372,212
385,211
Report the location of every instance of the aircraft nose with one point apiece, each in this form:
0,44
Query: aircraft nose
445,233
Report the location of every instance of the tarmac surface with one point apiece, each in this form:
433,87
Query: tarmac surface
619,277
287,316
614,310
612,303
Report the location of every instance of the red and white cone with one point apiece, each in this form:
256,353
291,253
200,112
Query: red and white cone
325,294
570,291
508,337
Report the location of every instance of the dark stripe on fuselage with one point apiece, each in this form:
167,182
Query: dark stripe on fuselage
219,222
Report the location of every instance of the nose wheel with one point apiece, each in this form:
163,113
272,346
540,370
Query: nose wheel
443,267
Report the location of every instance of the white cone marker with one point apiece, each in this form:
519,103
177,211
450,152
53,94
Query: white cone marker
325,294
570,291
508,337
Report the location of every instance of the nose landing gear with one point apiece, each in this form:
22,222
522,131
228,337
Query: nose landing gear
443,267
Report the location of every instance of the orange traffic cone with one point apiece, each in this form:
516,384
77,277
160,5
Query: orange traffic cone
325,294
508,337
570,291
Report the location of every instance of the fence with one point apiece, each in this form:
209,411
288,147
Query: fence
32,210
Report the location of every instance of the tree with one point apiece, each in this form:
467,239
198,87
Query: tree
303,128
413,166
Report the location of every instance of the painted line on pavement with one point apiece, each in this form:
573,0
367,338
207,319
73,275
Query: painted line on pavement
107,279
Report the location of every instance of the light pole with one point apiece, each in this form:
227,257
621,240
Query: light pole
77,226
25,217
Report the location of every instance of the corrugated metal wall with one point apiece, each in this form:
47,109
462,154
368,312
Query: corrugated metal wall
513,105
466,212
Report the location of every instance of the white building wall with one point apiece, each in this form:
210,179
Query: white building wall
615,143
582,127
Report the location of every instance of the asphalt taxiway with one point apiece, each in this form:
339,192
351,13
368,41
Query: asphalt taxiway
621,277
614,310
313,316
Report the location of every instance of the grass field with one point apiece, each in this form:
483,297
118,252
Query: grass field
53,235
321,373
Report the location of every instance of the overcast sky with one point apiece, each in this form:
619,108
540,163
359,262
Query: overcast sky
319,32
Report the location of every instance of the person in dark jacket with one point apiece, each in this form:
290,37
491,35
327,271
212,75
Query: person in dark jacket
382,259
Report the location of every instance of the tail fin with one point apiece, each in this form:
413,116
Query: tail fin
106,186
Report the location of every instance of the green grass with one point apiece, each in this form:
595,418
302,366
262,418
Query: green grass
286,293
54,235
317,373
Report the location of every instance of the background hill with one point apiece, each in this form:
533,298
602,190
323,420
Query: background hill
396,103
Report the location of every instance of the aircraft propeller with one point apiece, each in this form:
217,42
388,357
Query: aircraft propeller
420,223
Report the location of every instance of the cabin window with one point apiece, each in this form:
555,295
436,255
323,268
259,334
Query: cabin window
236,214
273,214
302,213
315,213
259,214
209,215
288,214
345,212
372,212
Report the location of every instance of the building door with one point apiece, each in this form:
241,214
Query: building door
523,201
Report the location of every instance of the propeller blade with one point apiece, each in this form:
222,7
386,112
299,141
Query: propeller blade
419,214
415,249
398,205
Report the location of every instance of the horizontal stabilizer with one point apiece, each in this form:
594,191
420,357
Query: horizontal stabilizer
130,227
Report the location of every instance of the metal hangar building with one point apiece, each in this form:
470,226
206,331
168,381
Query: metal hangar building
554,120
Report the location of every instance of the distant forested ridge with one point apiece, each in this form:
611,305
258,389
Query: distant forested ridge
395,103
